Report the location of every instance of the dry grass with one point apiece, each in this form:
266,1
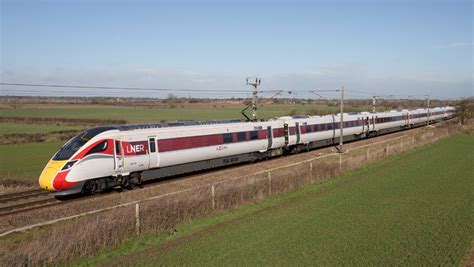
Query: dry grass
79,237
234,192
164,213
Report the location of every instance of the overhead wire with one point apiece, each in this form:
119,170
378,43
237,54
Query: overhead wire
116,88
295,93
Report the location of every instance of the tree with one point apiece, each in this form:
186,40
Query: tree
465,110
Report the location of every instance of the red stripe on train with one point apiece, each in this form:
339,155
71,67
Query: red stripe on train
60,183
172,144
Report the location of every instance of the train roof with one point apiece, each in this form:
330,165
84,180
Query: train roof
174,124
91,132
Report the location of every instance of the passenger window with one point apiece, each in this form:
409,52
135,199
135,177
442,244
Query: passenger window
308,128
241,136
102,146
228,138
152,145
253,135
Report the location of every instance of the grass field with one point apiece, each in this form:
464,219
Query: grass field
415,209
25,162
138,115
15,128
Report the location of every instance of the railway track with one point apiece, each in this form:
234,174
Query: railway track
49,201
22,195
24,201
27,206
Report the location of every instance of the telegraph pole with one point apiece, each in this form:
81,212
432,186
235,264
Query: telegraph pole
341,123
379,96
255,84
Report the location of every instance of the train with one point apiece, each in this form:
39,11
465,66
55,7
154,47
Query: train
121,156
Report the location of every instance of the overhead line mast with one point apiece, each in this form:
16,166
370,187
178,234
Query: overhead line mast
341,114
341,126
375,97
255,84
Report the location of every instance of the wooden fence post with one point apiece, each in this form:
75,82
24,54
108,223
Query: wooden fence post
340,162
137,218
213,197
269,183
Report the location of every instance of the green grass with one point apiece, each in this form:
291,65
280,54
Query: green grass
15,128
413,209
25,162
136,115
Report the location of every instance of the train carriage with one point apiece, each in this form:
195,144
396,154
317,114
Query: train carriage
391,121
105,157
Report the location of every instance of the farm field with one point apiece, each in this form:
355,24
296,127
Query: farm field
416,208
24,162
141,115
19,128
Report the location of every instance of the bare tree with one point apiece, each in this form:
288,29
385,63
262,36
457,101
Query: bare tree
465,110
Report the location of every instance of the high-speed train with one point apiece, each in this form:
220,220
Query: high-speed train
108,157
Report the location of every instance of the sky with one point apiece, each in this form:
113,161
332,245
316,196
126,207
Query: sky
392,47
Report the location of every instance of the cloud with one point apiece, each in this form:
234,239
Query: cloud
352,76
125,77
459,44
455,45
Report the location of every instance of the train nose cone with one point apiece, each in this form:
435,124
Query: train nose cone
49,172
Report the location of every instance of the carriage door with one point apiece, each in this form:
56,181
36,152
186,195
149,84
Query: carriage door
298,133
366,122
270,137
118,156
152,152
287,133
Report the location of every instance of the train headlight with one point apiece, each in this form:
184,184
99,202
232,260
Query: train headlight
68,165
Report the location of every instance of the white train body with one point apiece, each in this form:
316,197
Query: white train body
108,156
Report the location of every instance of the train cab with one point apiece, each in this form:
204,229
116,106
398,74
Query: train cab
53,176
